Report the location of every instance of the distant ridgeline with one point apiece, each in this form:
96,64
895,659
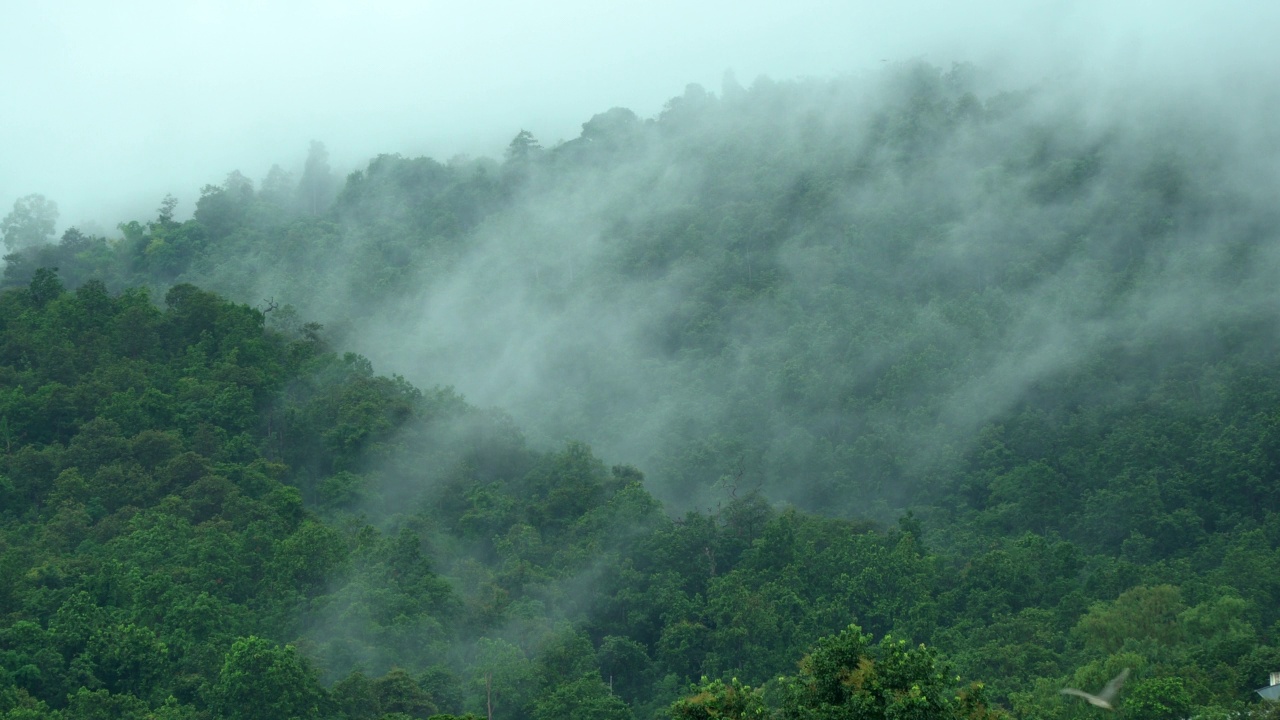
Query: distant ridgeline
1046,330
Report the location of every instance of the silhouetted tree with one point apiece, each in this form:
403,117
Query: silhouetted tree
31,222
317,188
524,146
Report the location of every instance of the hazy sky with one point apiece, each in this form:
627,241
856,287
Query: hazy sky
109,105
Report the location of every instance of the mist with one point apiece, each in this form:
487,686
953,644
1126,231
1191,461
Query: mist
567,305
109,109
632,333
513,324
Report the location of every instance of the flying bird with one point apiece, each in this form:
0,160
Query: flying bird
1105,695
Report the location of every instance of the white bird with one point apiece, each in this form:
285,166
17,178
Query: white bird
1105,695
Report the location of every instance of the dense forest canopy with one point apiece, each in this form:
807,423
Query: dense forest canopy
730,410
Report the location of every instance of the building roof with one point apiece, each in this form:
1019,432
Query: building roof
1271,692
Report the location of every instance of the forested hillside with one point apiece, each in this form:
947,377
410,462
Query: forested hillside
989,369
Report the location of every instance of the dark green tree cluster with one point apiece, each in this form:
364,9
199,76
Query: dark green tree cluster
187,504
144,532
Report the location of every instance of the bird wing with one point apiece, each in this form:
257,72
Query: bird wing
1093,699
1073,691
1113,687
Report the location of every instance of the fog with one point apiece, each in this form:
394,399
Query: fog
818,249
108,110
108,107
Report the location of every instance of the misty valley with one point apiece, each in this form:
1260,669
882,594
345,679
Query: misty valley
906,395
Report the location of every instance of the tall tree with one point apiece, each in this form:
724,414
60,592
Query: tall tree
277,187
317,187
31,222
524,146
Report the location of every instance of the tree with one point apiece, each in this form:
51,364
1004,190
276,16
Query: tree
74,241
504,682
1164,698
523,147
356,697
613,125
845,676
717,700
586,698
129,659
45,286
31,222
164,217
222,209
317,187
626,664
277,187
397,692
262,681
1141,613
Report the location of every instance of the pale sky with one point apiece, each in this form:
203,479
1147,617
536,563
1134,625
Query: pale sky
107,106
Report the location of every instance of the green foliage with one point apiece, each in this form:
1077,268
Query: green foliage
146,525
102,705
586,698
912,301
1142,615
398,692
842,676
717,700
262,680
1157,699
